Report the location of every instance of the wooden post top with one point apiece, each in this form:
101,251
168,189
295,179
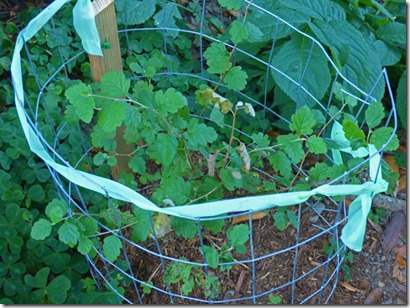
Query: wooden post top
100,5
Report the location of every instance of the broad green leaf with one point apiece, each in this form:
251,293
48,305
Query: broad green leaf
261,140
401,103
319,172
231,179
303,121
111,115
281,220
56,209
89,225
217,58
185,227
238,235
238,32
292,59
166,18
231,4
114,84
134,12
281,163
137,164
177,190
36,193
217,116
316,145
40,280
235,78
319,9
388,54
57,289
207,185
68,234
140,231
83,104
170,101
292,146
84,245
293,219
381,136
374,114
335,171
393,32
356,53
5,182
211,256
199,133
254,33
164,149
215,226
352,131
99,158
41,229
112,248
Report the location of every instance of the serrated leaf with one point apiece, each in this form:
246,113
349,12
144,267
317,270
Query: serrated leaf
335,171
352,131
235,78
374,114
355,52
211,256
83,104
319,172
281,220
185,227
215,226
388,54
238,32
68,234
293,219
261,140
318,9
401,103
166,18
140,231
316,145
303,121
199,133
169,102
229,180
84,245
112,248
231,4
137,164
56,209
114,84
381,136
177,190
292,58
217,116
254,33
111,116
134,12
41,229
217,58
238,235
164,149
292,146
393,32
281,163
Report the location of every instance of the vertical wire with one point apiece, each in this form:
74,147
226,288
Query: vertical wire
252,258
296,254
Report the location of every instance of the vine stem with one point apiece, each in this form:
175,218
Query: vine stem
232,134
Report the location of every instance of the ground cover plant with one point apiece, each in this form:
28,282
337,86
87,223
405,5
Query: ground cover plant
187,146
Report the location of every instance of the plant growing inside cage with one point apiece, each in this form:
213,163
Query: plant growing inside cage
218,133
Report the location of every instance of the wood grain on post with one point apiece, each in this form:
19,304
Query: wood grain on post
106,22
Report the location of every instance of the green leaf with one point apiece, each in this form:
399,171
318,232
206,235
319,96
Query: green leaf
381,136
83,104
292,146
114,84
215,226
164,149
318,9
293,219
56,209
401,103
137,164
303,121
57,289
319,172
352,131
36,193
393,32
141,230
217,58
254,33
185,227
281,163
356,53
112,248
261,140
292,58
238,32
84,245
40,280
170,101
335,171
235,78
199,133
231,179
238,235
166,18
41,229
281,220
134,12
217,116
316,145
211,256
231,4
68,234
177,190
388,54
111,115
374,114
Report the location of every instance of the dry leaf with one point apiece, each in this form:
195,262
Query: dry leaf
400,261
375,226
373,296
402,183
255,216
389,159
400,250
396,270
351,288
394,231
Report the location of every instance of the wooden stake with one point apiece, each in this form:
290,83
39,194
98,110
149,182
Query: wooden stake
111,61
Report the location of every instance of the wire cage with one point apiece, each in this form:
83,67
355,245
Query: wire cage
302,263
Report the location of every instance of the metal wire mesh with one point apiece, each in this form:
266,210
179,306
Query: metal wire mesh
319,221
